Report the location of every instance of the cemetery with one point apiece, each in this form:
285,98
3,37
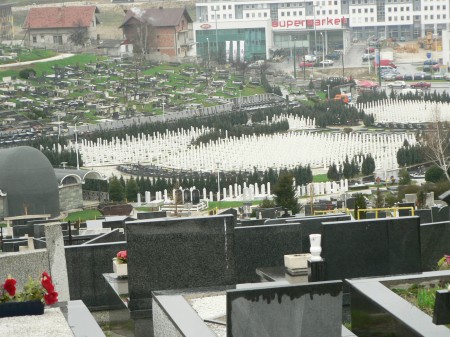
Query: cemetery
227,276
199,134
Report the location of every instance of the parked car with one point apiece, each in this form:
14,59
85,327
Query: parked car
419,76
370,50
389,77
310,58
306,64
367,57
408,77
397,84
427,77
333,56
430,62
327,62
437,77
421,84
447,77
399,77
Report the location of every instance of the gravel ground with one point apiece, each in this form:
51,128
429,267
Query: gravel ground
52,323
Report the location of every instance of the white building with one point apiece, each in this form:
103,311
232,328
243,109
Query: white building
310,25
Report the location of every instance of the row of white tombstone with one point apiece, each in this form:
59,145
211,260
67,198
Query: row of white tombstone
394,111
246,193
282,150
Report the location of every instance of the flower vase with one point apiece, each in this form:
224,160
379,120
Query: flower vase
316,249
120,269
11,309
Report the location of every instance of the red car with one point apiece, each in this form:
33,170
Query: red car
306,64
422,85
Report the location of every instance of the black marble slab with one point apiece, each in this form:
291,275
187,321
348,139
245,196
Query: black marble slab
441,312
80,319
378,311
178,253
306,310
86,265
372,247
435,243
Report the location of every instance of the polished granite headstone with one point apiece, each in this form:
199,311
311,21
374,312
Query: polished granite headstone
424,215
264,246
113,236
435,243
86,265
441,312
178,253
440,214
306,310
151,215
371,247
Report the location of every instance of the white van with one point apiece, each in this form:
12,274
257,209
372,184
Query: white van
310,58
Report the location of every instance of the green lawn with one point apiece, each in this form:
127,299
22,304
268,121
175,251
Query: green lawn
30,55
319,178
89,214
47,67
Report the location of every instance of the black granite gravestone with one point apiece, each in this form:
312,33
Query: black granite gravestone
371,247
178,253
435,243
195,197
306,310
441,312
187,195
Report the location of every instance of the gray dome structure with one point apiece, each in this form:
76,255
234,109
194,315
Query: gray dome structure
29,182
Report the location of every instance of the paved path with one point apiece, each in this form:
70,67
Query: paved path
19,64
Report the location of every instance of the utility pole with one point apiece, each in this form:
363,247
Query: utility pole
217,41
295,70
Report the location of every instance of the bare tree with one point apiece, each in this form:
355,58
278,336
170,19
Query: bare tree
437,142
79,36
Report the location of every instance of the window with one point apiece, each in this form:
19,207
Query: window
57,39
229,6
265,15
288,13
224,7
282,13
34,39
247,15
230,16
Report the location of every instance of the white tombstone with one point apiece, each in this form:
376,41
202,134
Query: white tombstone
204,193
147,197
211,197
268,188
139,199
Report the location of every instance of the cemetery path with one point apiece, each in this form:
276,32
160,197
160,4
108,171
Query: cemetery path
19,64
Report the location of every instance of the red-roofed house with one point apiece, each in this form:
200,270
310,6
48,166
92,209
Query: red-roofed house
159,30
54,26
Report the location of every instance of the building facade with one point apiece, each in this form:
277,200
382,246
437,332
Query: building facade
6,22
52,27
165,31
312,26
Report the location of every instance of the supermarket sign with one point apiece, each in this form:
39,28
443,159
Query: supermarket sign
320,23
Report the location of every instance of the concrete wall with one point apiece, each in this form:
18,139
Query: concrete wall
70,197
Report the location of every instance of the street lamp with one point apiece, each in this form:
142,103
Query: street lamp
217,43
368,49
315,30
209,59
218,185
163,104
76,142
328,89
323,50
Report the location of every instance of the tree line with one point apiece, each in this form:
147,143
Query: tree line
121,189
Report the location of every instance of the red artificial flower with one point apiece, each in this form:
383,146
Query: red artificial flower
122,256
51,298
10,286
447,258
46,282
